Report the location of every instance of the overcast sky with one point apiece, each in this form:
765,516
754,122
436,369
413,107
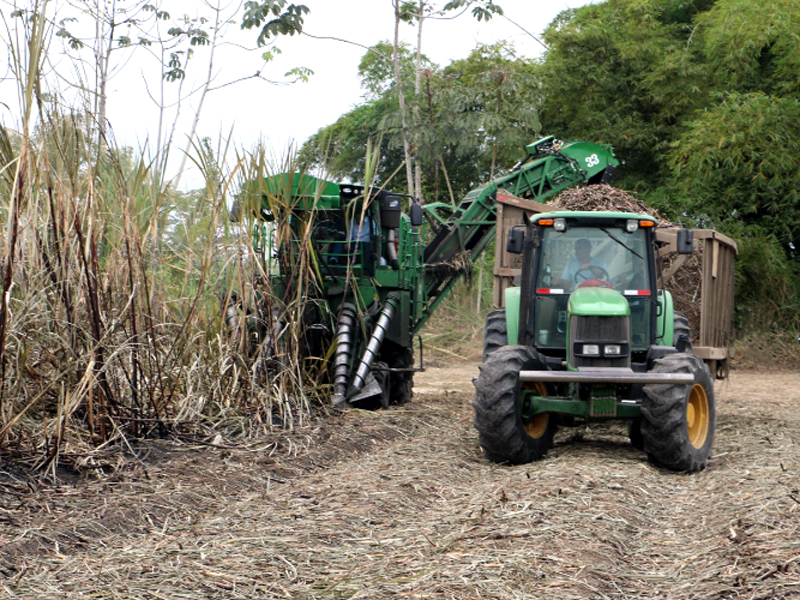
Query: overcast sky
280,115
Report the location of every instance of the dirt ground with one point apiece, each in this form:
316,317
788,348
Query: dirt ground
401,504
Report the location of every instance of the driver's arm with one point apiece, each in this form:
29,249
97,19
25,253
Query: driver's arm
565,281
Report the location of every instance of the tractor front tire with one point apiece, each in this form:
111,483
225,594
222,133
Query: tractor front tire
678,420
502,433
495,332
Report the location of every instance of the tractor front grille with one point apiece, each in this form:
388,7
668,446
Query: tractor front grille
601,331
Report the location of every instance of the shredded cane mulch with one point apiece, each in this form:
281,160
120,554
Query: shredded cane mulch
401,504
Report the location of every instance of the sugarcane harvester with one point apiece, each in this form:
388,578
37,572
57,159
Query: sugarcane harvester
384,262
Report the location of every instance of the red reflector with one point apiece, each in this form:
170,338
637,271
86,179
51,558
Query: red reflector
636,293
549,291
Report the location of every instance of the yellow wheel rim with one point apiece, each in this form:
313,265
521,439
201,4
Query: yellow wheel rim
538,424
698,416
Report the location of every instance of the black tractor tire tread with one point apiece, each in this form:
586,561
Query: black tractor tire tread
495,332
664,428
682,330
401,389
501,432
635,433
380,373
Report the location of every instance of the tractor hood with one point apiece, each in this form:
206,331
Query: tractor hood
598,302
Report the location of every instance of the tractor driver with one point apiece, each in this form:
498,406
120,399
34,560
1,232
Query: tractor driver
583,265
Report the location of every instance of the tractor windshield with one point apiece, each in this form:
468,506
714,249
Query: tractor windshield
591,256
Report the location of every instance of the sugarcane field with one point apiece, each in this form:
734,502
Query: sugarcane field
459,300
403,498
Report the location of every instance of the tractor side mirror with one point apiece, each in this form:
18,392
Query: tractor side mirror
416,215
516,238
685,241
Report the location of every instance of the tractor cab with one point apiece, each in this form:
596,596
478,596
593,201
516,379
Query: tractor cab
586,267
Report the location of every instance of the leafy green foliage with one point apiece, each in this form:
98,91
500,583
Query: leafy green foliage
175,67
376,70
340,147
276,16
744,153
482,10
766,283
753,45
623,72
73,42
486,102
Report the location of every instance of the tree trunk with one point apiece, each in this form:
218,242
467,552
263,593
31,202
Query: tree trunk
417,89
401,99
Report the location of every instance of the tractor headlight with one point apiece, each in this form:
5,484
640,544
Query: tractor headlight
613,350
591,350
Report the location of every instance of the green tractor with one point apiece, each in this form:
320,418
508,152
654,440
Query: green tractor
589,336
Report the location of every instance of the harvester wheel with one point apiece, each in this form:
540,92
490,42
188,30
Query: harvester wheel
502,433
678,420
682,333
381,375
400,383
495,332
401,388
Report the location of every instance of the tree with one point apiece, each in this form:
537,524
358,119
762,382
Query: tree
418,12
752,46
488,106
624,72
700,101
114,28
339,148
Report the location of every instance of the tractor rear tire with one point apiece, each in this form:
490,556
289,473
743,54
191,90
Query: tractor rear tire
495,332
502,433
682,333
678,420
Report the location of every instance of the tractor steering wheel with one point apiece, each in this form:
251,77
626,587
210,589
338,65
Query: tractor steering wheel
594,272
